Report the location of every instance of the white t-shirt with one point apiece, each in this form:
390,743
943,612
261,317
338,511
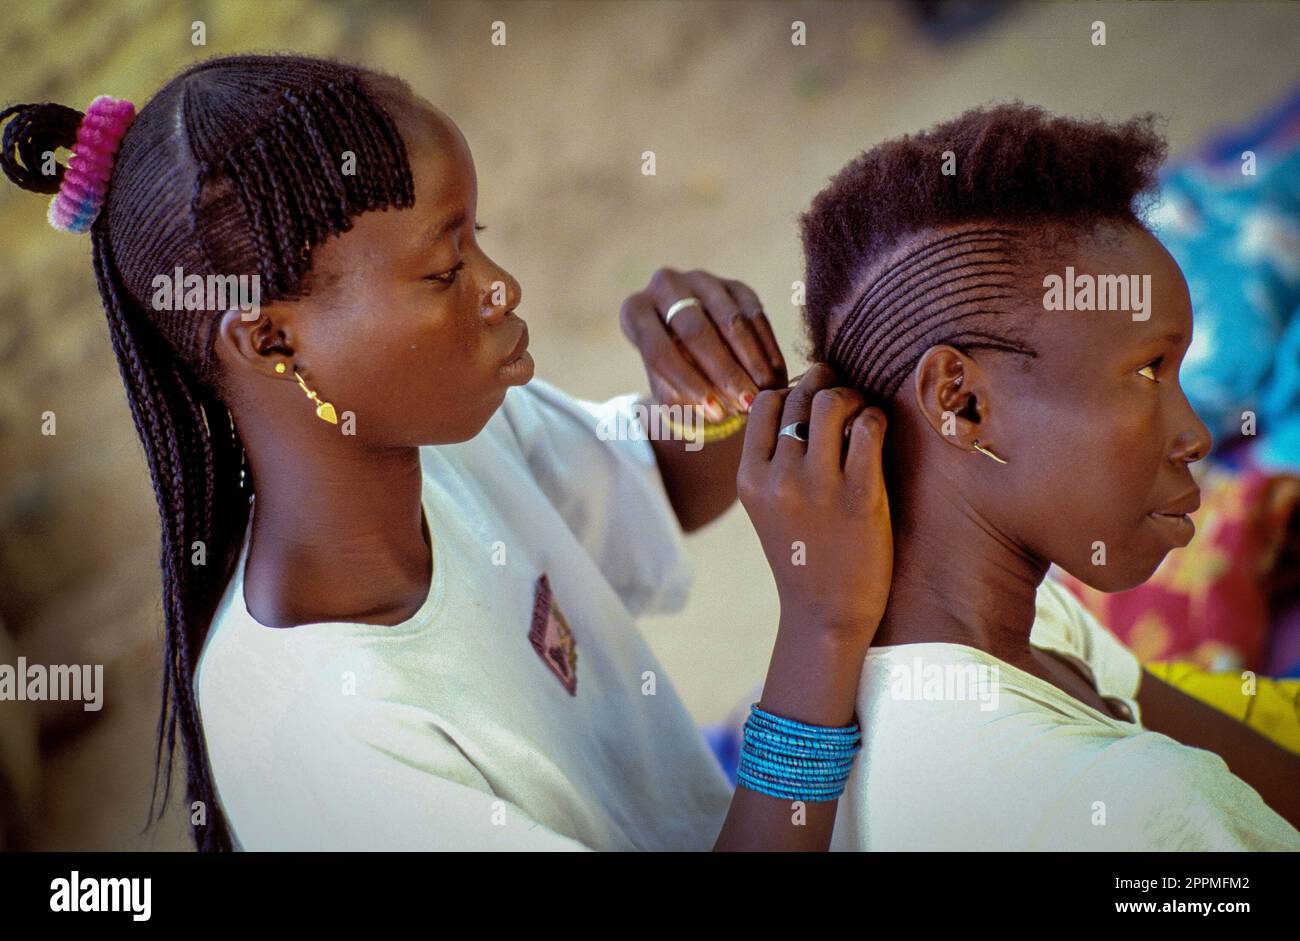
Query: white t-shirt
511,711
963,751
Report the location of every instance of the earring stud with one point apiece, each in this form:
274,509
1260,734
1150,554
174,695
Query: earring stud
986,452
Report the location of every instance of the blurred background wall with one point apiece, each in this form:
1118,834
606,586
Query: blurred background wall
746,128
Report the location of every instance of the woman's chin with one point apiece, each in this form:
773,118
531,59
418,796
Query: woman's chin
470,421
1112,578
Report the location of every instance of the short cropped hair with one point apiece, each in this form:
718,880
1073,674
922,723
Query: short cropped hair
921,239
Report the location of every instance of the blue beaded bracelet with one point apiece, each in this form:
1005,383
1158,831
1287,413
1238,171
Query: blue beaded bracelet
800,766
825,732
805,793
793,760
799,746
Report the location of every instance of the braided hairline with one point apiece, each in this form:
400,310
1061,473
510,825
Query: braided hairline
900,310
287,177
878,305
905,263
989,286
895,262
918,295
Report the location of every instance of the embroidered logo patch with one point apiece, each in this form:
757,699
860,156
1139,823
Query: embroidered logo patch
552,639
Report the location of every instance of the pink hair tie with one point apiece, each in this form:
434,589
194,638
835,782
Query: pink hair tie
81,193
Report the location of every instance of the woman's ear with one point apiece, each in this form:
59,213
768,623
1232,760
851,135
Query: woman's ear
246,342
952,395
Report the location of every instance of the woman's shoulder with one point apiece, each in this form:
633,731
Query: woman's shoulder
1061,620
1064,626
247,670
950,705
907,679
1171,796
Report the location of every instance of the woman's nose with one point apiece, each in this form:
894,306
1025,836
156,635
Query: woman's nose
1193,441
501,296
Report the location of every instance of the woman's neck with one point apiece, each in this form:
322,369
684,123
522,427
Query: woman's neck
337,536
957,580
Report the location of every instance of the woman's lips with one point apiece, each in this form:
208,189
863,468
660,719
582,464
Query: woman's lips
1189,502
1177,527
520,345
1175,520
518,367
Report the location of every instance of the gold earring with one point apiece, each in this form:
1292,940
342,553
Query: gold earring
279,367
324,410
985,451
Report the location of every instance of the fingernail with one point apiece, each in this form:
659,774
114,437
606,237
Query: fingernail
713,409
746,400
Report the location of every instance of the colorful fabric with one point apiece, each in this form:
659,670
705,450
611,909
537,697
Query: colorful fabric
1270,707
1230,216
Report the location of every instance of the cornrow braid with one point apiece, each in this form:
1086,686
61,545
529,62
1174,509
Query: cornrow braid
294,167
943,290
235,167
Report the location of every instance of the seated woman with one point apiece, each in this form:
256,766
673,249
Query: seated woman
990,283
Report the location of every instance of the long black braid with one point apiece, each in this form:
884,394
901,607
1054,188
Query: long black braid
233,168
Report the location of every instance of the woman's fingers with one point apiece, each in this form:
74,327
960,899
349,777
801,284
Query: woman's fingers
725,348
644,326
862,467
761,430
798,408
752,308
832,410
695,329
733,323
822,516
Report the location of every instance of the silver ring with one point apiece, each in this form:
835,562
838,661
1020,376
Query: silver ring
678,307
796,429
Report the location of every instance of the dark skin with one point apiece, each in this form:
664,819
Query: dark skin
715,356
448,316
1099,439
411,329
821,512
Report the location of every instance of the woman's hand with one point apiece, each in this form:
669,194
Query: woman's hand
823,518
716,355
820,507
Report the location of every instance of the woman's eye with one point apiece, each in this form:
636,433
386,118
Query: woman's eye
447,277
1149,371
